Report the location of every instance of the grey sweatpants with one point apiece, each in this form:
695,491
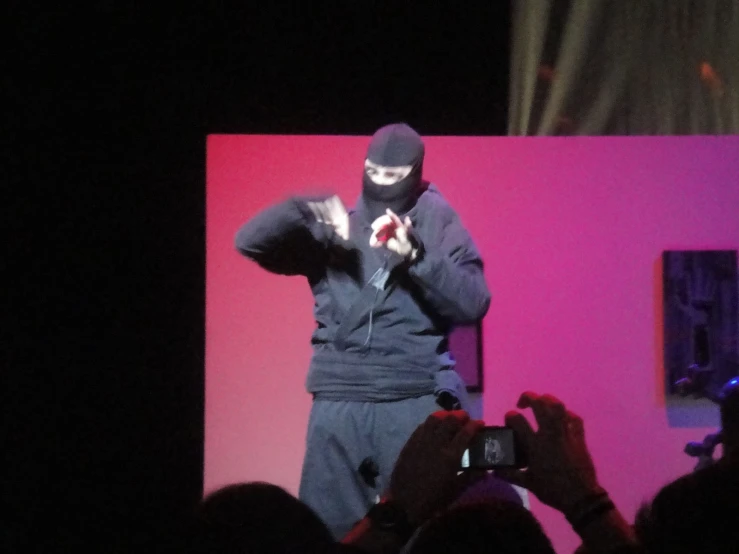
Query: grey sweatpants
340,436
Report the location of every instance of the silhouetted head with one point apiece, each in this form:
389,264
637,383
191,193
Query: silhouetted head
488,488
492,527
253,518
696,514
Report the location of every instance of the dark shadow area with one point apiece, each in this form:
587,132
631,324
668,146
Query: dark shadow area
107,115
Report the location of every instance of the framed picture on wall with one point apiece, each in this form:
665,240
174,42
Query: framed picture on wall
701,308
465,343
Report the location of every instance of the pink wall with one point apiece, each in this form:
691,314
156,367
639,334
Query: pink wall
571,230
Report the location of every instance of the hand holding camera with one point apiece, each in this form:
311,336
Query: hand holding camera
560,470
425,478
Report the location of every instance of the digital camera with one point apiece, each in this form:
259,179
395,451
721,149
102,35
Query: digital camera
493,447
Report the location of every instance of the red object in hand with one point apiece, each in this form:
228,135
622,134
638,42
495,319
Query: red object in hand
384,234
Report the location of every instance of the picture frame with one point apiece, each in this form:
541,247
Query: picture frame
700,316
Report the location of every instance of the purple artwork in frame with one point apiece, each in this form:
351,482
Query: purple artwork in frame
701,321
465,343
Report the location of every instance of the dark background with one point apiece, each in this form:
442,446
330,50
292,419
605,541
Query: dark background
108,109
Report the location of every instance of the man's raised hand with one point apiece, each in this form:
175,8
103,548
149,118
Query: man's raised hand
389,231
332,212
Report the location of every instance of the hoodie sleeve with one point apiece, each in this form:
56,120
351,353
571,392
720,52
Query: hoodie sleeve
451,278
285,239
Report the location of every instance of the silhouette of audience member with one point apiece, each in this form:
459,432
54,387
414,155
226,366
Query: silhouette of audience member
489,527
251,518
488,488
699,512
696,514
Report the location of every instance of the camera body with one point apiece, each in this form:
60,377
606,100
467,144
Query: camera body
493,447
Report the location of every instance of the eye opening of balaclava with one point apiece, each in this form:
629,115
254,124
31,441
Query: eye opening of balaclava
393,146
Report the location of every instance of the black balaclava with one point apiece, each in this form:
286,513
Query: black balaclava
394,145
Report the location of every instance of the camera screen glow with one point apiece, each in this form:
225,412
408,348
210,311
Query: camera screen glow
466,459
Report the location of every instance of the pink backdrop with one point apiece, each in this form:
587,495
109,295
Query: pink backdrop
571,230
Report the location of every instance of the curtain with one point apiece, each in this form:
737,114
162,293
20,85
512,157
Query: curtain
624,67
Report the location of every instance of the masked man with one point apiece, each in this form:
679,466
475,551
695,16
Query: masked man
390,279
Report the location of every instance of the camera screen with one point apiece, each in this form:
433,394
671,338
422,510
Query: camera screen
492,447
